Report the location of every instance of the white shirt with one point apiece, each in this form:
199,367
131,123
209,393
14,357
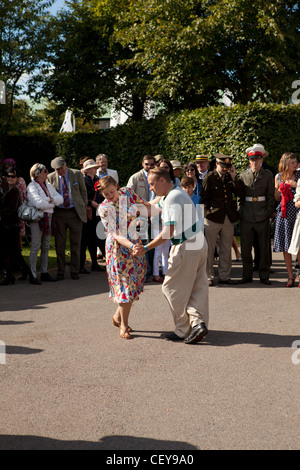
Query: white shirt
179,210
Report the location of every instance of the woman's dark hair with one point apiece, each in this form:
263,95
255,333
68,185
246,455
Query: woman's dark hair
171,171
191,165
10,170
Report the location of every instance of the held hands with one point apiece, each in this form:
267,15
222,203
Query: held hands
138,250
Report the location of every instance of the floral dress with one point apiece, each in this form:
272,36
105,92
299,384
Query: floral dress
126,273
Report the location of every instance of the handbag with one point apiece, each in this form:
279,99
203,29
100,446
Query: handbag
29,214
89,210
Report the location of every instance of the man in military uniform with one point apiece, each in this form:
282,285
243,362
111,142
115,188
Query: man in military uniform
256,209
219,192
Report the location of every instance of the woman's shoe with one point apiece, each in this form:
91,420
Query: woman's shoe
8,280
115,323
47,278
158,279
34,280
291,282
125,334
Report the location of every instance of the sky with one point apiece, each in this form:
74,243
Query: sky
58,4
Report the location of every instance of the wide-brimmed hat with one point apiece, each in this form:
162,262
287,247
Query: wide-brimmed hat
224,159
176,164
89,164
256,150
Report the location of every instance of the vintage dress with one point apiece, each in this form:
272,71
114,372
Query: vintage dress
295,242
126,273
284,225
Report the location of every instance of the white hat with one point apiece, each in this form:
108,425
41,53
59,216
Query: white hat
257,149
176,164
89,164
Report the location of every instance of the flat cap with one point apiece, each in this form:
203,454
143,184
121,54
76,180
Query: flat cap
58,162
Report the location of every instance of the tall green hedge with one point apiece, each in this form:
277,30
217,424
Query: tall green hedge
178,136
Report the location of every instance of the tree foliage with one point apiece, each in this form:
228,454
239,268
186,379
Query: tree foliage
84,70
195,48
24,40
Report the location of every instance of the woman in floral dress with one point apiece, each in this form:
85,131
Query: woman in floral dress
125,272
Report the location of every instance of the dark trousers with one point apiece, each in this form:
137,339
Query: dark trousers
88,241
10,254
262,231
257,253
67,219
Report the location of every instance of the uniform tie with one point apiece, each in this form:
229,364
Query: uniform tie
66,195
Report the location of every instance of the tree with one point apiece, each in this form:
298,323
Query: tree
195,48
84,71
24,41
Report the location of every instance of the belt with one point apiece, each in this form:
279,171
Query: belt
255,198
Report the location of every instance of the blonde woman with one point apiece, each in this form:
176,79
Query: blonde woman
285,188
42,195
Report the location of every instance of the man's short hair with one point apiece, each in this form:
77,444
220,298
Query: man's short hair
159,172
101,155
148,157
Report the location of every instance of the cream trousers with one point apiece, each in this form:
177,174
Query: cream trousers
185,286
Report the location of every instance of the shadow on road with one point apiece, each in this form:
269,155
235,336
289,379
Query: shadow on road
264,340
126,443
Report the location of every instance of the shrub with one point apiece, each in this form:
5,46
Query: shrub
179,136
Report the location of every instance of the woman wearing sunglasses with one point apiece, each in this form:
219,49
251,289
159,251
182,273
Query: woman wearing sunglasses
191,170
42,195
10,252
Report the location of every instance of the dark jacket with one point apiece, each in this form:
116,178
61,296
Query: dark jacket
9,204
92,193
219,197
263,186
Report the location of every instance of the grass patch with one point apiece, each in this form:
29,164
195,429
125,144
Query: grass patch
52,263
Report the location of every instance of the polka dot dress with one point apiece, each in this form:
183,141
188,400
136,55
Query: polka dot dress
284,227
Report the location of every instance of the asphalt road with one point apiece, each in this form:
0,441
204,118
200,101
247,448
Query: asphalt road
69,382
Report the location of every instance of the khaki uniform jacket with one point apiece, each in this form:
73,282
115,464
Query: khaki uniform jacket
78,191
139,185
219,197
262,185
